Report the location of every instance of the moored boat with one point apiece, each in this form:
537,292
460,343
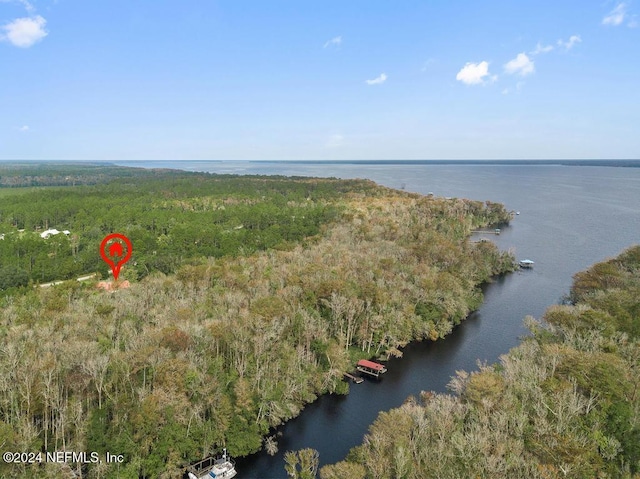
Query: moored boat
371,368
526,263
214,468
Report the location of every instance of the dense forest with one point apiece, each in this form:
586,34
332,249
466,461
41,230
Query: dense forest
52,173
171,217
246,327
563,404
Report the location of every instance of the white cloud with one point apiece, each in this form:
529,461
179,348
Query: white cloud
427,64
24,32
336,41
378,80
24,128
616,16
520,65
25,3
541,49
569,44
474,73
518,88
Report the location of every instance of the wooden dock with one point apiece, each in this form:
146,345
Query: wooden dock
355,379
490,232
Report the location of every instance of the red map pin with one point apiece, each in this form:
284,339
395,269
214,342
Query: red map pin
112,250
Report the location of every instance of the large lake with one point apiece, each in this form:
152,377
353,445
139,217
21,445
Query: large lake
570,217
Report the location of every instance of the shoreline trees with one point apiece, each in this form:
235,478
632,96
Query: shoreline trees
227,347
563,404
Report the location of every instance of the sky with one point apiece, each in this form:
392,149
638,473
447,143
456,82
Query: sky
335,80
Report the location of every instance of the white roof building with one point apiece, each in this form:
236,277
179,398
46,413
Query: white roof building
53,232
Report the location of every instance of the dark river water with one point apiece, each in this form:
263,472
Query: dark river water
570,217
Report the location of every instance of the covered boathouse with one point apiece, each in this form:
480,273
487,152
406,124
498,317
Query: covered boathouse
370,368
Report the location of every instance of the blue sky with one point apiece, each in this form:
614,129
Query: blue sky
284,80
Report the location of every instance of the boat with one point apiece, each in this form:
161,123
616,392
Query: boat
526,263
371,368
214,468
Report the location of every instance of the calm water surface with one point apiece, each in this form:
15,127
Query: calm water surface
570,217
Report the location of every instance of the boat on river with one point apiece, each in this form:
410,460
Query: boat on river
214,468
371,368
526,263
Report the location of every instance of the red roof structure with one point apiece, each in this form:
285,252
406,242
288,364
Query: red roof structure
371,365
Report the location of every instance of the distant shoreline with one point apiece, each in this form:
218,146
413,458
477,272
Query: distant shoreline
593,162
618,163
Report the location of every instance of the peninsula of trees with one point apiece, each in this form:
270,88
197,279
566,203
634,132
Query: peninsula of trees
563,404
249,297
